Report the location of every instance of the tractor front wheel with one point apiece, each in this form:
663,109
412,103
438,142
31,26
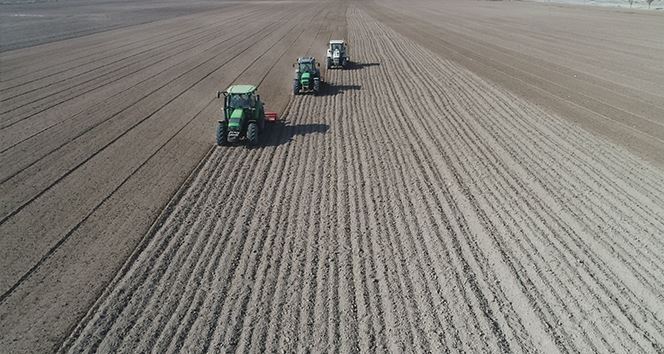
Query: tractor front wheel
252,133
221,134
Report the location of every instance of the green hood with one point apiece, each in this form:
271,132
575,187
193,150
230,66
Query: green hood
304,78
236,119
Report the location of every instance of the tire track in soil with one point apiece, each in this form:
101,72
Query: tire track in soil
240,51
54,69
629,93
79,123
51,98
592,212
29,67
276,62
380,220
266,74
396,180
387,44
234,337
74,227
450,44
395,251
11,99
63,72
153,91
229,339
220,305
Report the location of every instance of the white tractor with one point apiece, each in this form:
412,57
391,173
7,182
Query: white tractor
337,54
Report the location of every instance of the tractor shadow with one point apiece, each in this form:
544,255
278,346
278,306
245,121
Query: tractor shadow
282,132
333,90
359,66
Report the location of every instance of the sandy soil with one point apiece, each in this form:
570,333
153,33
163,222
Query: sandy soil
426,201
597,67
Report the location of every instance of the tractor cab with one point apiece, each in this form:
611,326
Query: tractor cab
306,65
240,97
337,47
241,100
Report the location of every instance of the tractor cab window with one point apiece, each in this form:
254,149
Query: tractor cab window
337,46
306,67
240,101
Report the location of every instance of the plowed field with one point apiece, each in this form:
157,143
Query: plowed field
424,201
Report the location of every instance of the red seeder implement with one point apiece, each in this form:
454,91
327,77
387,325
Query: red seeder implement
271,117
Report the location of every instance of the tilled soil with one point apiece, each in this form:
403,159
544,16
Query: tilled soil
99,133
25,23
421,202
376,219
599,68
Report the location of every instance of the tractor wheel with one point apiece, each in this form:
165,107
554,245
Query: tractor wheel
221,135
316,87
328,64
296,87
252,133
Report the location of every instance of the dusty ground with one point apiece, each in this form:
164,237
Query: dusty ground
486,177
25,23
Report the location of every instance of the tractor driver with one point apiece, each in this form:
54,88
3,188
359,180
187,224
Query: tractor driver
306,67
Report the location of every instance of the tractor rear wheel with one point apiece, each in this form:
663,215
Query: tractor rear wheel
296,87
252,133
221,134
316,86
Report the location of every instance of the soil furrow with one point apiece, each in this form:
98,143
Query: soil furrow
89,86
108,144
456,188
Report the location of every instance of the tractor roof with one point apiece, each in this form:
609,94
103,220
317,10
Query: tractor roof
240,89
337,41
306,60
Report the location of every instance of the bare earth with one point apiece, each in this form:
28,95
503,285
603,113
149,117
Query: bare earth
487,176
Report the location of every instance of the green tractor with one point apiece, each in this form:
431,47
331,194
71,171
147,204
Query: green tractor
307,76
243,115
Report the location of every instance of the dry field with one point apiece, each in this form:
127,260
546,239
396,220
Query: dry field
487,176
